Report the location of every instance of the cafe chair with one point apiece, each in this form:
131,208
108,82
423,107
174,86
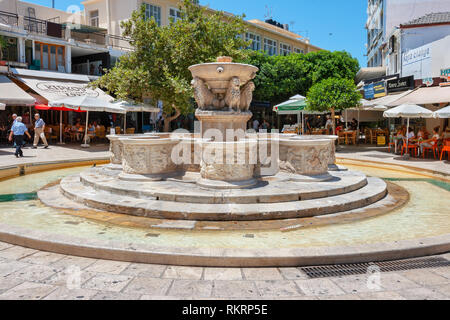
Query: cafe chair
433,148
446,148
411,147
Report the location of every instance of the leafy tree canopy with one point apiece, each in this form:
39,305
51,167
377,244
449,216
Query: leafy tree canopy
158,65
333,94
281,77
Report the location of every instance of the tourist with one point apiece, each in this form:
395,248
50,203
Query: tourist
446,133
17,131
354,124
430,142
39,131
411,134
256,125
399,138
329,125
14,118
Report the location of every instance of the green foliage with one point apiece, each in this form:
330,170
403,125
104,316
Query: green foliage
3,45
333,93
158,65
281,77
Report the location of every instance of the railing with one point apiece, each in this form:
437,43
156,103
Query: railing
119,42
89,37
9,18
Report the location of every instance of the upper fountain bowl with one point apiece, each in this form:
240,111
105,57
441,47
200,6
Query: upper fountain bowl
218,75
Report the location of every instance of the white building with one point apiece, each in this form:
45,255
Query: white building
420,47
384,16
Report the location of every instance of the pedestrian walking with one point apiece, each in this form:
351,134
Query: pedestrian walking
39,131
18,130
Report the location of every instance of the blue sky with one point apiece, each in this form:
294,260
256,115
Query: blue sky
330,24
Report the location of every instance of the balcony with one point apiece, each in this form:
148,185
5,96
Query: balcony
80,33
8,18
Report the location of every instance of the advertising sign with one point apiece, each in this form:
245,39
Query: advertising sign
417,62
375,90
379,89
401,84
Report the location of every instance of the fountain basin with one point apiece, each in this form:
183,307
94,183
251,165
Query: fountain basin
150,157
305,156
218,75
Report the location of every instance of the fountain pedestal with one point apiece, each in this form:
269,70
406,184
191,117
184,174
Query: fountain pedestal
213,122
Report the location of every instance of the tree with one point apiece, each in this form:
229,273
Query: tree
158,65
333,94
281,77
3,45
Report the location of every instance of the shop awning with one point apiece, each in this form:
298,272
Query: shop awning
424,96
389,100
290,107
54,90
12,94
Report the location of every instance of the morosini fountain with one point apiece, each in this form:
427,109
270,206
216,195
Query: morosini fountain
197,199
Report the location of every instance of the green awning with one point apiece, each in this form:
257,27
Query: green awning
291,106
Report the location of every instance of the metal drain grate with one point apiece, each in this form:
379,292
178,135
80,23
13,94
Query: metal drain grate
362,268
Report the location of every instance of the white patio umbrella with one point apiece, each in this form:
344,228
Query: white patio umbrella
408,111
2,106
131,106
87,103
442,113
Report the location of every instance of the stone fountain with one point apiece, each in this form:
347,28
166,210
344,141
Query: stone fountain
222,173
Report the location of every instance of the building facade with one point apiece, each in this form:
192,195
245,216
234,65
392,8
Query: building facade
386,16
274,39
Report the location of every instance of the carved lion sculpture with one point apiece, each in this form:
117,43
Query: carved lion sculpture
233,95
247,96
203,96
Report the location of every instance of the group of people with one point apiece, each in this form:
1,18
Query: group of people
423,139
19,130
259,125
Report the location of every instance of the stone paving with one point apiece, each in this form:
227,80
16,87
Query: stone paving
380,154
53,153
31,274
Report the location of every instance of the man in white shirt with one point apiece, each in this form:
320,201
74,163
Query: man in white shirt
410,134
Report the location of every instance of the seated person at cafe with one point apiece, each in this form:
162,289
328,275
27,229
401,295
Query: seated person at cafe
422,134
446,133
411,134
430,142
401,134
354,124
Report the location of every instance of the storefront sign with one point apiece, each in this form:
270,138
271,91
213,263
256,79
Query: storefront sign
375,90
418,62
445,73
401,84
428,81
57,90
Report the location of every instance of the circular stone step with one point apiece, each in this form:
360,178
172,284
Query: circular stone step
183,189
154,207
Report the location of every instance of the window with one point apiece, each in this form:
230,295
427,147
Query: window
256,41
270,47
298,50
175,14
285,49
153,11
49,56
93,17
